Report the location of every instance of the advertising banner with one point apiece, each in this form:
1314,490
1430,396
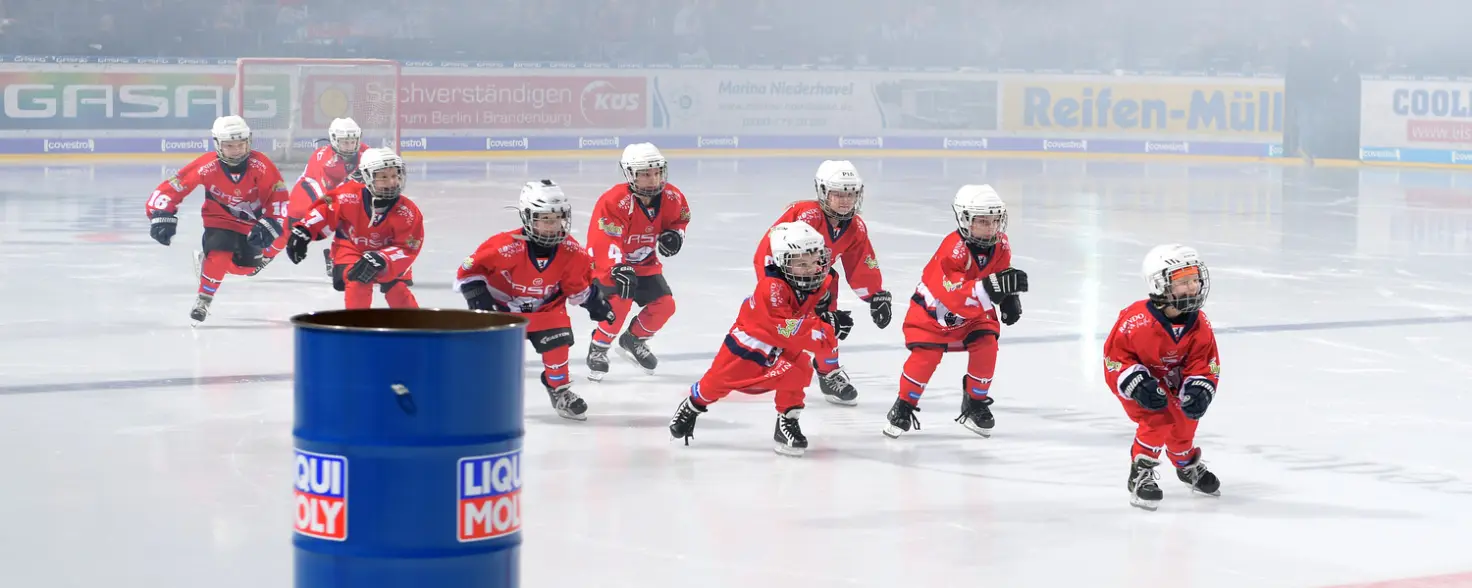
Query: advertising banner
120,101
1416,120
1244,109
459,102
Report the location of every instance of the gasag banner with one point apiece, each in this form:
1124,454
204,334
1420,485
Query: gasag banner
1425,120
121,101
1202,108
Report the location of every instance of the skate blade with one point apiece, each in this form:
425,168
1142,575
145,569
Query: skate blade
1198,492
782,449
893,432
572,416
624,353
977,430
596,376
1141,503
839,401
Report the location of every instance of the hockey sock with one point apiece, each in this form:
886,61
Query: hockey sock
653,317
399,296
980,366
604,333
554,366
917,371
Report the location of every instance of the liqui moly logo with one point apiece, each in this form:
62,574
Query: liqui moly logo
489,504
322,495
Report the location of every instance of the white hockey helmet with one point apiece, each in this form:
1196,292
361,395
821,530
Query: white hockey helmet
801,254
639,157
375,160
231,128
840,177
1175,276
544,200
345,137
979,201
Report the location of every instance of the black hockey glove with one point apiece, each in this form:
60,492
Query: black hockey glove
1196,395
296,244
670,243
367,268
624,281
1010,309
879,308
264,233
1002,283
599,310
1144,389
842,322
162,225
477,297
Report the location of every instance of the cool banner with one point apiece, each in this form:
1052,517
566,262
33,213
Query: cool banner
1425,120
57,105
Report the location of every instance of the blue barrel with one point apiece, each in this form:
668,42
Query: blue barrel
408,440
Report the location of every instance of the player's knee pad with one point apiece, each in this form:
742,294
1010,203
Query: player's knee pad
547,340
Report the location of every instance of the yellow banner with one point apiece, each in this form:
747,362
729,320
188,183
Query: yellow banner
1236,109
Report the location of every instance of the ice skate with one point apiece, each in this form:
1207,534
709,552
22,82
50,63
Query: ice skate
788,434
837,388
327,256
201,309
198,264
597,362
635,350
976,415
901,419
1144,492
1200,479
682,426
567,403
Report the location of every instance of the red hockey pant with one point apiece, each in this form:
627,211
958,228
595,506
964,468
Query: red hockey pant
1167,429
732,373
981,364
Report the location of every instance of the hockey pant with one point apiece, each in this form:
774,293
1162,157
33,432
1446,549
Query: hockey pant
357,295
225,252
652,293
730,372
926,351
1167,429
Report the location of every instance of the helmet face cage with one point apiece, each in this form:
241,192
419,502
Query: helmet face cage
232,161
805,283
383,196
346,152
529,226
963,224
825,191
631,172
1163,286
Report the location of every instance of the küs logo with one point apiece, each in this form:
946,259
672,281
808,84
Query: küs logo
609,104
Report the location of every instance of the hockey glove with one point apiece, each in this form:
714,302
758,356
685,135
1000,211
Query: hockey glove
296,244
162,225
1002,283
1144,389
479,298
624,281
879,308
367,268
264,233
670,243
842,322
1010,309
599,310
1196,395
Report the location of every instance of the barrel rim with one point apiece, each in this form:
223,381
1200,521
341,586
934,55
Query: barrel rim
305,321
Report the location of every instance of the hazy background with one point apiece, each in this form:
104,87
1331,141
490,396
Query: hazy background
1250,36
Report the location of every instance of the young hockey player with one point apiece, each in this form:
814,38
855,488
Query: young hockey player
630,223
329,167
243,212
966,288
535,271
378,233
1161,361
835,215
764,350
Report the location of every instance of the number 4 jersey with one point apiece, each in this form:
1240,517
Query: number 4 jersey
623,230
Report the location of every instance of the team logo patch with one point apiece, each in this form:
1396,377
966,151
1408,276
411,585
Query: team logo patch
949,285
684,214
468,263
1216,370
413,243
789,327
279,187
871,262
1112,365
322,495
610,228
175,183
490,496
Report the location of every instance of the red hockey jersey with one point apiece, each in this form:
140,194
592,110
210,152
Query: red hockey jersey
516,280
848,244
951,285
623,230
343,214
775,322
325,172
1144,339
232,202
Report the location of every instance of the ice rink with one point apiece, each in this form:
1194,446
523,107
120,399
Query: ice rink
138,451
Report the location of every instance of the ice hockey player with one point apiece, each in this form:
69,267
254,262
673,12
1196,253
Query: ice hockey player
631,222
243,213
378,233
968,286
1161,361
330,166
835,215
765,349
535,271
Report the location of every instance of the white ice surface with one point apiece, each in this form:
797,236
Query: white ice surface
136,451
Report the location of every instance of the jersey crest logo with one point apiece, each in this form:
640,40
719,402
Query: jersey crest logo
610,228
1112,365
789,327
176,184
541,264
279,187
1216,370
981,261
685,214
871,262
949,285
468,263
412,243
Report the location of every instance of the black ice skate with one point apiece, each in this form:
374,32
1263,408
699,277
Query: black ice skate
682,426
837,388
1200,479
901,419
636,351
567,404
788,435
597,362
201,308
1144,492
976,415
